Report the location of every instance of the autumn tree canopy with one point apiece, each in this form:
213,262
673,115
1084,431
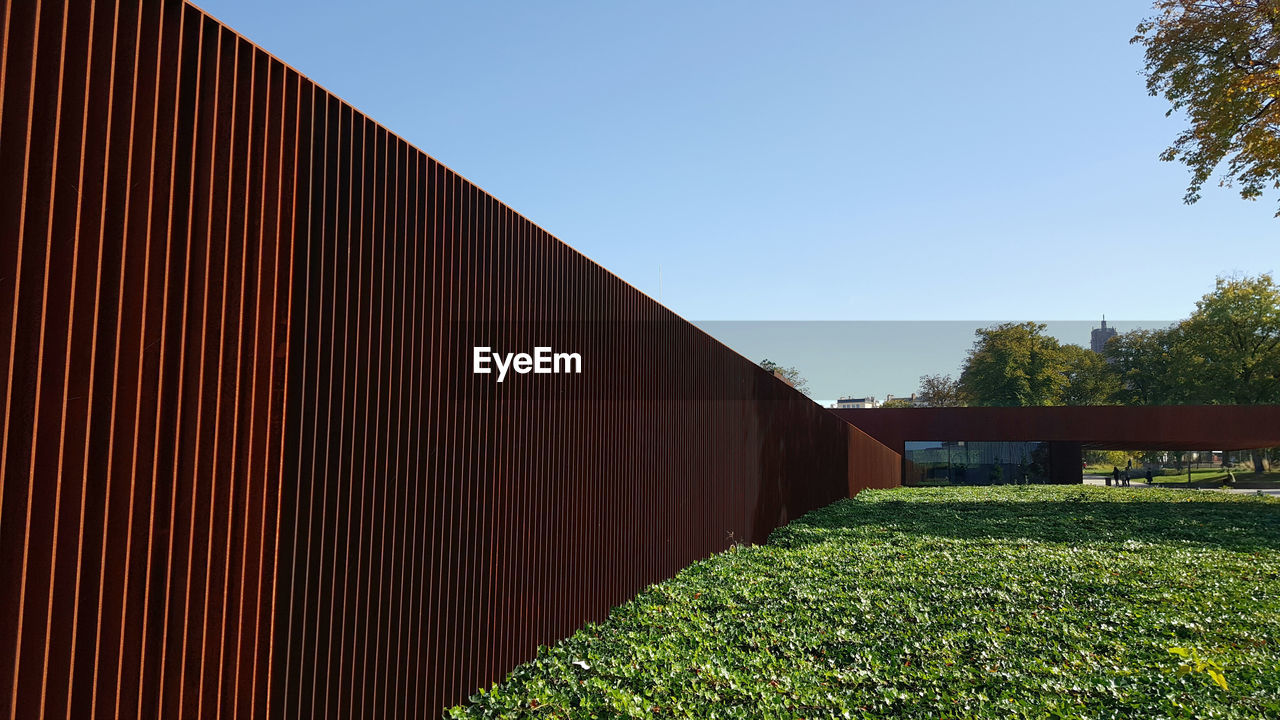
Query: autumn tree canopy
1218,61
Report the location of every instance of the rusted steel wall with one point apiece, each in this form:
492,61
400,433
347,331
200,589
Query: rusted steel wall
247,470
871,464
1186,427
148,201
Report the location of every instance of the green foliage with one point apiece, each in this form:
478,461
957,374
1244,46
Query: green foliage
1154,366
1235,336
1218,61
1016,364
993,602
1226,352
941,391
1150,457
1108,458
1089,378
1197,664
789,374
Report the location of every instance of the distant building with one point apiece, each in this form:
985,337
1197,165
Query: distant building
1099,337
915,400
858,403
869,402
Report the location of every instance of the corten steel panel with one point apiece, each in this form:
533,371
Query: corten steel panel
247,470
871,464
1172,427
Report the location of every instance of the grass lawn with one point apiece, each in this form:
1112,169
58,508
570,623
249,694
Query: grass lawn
1167,473
959,602
1197,476
1098,469
1245,479
1260,481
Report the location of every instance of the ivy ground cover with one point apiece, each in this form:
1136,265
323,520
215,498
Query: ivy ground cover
991,602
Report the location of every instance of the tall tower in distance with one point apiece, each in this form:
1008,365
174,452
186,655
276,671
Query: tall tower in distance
1099,337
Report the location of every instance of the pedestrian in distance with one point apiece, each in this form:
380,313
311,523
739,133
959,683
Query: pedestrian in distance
1149,481
1115,475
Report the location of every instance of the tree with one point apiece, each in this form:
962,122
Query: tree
1090,379
789,375
897,403
1235,333
941,391
1014,364
1219,62
1115,458
1226,352
1154,367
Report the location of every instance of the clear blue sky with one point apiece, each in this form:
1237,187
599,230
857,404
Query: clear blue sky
827,160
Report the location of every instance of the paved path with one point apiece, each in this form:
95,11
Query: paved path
1138,483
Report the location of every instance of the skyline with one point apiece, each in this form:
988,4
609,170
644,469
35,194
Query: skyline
859,358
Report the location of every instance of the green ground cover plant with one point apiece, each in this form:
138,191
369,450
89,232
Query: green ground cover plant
957,602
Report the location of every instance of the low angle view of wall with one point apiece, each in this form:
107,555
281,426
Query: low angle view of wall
252,462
